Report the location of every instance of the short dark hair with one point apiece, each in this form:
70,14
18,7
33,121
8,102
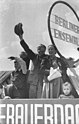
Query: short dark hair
42,45
23,52
23,55
51,45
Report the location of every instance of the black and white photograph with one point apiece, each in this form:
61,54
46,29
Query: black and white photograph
39,61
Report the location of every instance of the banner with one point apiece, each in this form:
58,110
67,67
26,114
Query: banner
39,111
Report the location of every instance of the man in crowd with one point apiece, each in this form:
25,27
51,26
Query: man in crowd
18,87
35,77
25,57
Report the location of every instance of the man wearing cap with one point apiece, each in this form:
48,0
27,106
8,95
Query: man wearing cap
35,77
18,87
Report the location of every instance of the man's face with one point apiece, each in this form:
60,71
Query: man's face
51,50
17,65
41,50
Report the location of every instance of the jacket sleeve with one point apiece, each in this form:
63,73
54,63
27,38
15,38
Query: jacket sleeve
30,53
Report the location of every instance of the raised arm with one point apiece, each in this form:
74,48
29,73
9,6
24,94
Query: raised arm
19,31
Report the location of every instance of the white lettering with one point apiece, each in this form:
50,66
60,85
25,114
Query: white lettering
58,110
69,114
2,116
48,109
36,112
31,110
19,114
26,113
10,114
77,113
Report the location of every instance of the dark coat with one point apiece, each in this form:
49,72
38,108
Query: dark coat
18,88
35,77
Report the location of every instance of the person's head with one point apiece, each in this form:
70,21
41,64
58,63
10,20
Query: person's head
1,89
23,55
51,50
41,49
66,87
17,65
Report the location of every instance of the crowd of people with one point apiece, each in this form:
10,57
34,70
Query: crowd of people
39,75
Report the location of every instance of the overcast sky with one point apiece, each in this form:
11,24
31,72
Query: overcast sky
33,15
